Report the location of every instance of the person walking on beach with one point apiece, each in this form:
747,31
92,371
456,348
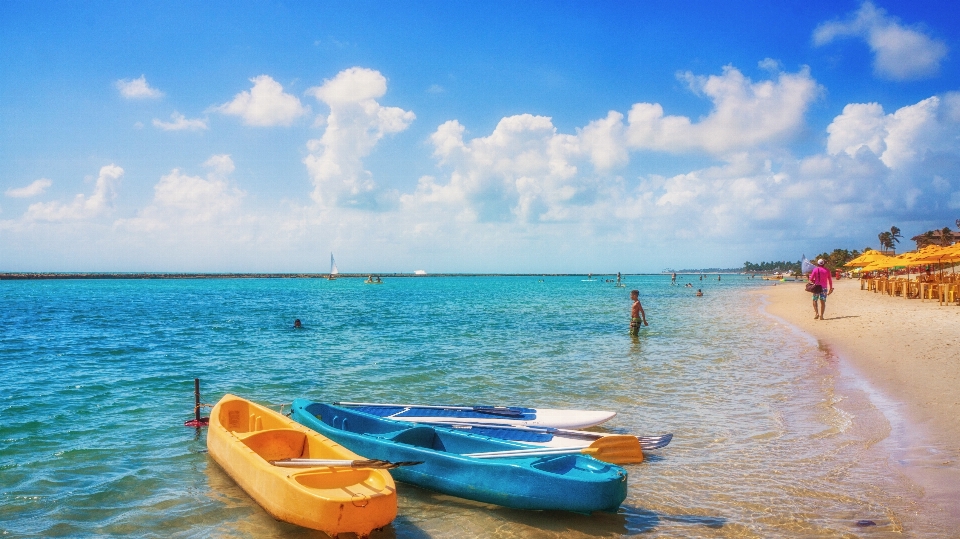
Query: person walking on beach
636,314
820,277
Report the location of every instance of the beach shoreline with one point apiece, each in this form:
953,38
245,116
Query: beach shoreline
905,355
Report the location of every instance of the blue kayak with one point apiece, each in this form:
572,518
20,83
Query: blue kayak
567,482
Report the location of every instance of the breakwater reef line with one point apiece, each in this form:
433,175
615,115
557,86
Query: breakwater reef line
99,378
904,357
28,276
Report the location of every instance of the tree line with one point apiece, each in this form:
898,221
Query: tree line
838,257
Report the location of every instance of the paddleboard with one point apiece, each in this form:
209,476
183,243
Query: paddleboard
535,417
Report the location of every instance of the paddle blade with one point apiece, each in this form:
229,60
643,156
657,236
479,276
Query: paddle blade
616,449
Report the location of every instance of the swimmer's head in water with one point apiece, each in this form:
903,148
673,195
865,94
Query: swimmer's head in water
297,324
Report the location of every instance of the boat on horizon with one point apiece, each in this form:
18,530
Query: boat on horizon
333,269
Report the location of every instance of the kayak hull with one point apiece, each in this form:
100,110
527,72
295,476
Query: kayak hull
558,482
243,437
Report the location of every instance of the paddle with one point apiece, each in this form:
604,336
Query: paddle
369,463
615,449
492,410
646,442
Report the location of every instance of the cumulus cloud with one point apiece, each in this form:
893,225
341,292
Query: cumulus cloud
524,170
180,123
900,139
527,171
745,114
900,52
37,187
353,127
264,105
181,199
98,203
137,89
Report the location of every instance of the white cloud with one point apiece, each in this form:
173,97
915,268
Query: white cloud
264,105
899,139
180,199
900,53
82,207
745,114
603,140
137,89
37,187
354,126
180,123
526,171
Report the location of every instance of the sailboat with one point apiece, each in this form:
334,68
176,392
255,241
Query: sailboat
333,269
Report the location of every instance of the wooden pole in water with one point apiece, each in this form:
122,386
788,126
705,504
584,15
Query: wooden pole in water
196,398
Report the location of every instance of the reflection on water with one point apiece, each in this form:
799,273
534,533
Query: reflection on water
768,441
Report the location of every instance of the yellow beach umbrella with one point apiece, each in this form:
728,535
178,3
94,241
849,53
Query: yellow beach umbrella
865,259
930,254
890,262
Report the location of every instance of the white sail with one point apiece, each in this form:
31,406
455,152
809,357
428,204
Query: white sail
333,266
805,265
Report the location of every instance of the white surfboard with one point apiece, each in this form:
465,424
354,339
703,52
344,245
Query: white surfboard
505,415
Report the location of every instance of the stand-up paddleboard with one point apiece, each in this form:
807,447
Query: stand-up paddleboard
510,415
549,437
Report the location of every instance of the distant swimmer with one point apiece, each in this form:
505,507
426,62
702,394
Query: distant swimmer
699,293
673,280
689,285
637,316
297,324
718,277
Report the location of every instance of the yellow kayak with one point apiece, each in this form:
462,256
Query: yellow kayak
245,438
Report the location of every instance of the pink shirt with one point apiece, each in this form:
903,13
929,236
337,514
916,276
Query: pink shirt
821,276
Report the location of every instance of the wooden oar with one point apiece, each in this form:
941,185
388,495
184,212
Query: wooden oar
492,410
646,442
330,463
615,449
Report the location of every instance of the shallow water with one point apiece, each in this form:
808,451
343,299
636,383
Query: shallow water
98,378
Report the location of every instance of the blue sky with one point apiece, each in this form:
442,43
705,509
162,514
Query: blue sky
470,136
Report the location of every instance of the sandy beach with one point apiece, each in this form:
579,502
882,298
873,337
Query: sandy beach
908,350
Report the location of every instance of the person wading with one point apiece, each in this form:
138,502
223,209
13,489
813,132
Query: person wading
637,316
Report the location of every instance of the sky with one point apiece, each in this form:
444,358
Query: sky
473,136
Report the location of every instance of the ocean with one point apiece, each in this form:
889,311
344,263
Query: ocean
769,438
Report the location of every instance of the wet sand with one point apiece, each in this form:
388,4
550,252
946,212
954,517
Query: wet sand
909,352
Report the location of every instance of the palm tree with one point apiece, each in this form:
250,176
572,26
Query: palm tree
946,237
886,241
895,234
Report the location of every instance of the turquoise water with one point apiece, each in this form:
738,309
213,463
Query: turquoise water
98,379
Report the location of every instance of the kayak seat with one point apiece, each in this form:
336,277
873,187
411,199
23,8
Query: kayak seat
420,437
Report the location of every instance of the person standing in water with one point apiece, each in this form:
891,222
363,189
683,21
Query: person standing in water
637,316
